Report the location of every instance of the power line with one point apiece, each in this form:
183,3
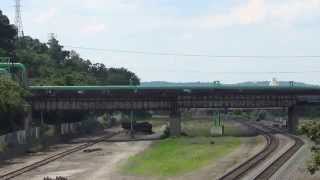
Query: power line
189,55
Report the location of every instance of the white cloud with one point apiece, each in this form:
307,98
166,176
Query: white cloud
94,28
187,36
44,17
153,26
253,12
261,11
291,12
112,5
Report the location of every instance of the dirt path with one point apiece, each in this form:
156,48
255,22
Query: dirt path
95,165
27,159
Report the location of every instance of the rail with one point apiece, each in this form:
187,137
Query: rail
52,158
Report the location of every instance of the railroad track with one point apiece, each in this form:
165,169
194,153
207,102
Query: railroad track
281,160
271,146
52,158
241,170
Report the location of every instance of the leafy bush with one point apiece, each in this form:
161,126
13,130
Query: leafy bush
312,130
12,104
166,133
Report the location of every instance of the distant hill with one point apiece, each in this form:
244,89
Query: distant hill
164,83
248,83
266,83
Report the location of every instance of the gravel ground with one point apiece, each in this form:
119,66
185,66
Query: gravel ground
28,159
98,165
103,163
284,144
295,168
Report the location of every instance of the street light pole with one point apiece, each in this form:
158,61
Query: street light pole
131,113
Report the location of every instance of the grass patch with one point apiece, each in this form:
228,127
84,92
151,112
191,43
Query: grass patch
176,156
197,127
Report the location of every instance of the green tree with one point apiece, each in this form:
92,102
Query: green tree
49,64
12,103
312,130
8,34
56,51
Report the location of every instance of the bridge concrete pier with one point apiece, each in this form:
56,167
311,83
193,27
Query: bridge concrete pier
293,119
175,123
28,121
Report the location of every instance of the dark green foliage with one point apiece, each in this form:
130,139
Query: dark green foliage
312,130
48,64
51,65
56,51
7,35
310,112
12,104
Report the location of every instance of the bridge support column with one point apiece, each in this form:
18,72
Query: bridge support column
28,120
175,123
293,120
28,117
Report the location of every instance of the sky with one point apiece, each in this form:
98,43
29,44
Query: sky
203,27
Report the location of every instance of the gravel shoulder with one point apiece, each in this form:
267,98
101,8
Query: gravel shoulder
295,168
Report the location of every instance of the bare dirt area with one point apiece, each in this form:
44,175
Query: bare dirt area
30,158
96,162
102,161
100,164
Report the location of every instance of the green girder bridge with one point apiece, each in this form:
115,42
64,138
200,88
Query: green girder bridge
171,98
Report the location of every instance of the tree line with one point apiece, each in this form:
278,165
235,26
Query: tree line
47,64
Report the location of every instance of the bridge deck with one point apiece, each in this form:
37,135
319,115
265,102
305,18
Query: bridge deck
213,87
168,97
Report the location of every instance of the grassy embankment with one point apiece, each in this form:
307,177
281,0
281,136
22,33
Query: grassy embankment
175,156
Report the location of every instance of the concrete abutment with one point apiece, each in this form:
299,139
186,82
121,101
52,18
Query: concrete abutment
293,119
175,123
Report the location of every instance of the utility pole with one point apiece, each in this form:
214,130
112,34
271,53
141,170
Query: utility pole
131,114
18,19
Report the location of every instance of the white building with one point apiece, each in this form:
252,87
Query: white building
274,82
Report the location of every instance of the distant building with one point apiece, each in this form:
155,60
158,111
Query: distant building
274,82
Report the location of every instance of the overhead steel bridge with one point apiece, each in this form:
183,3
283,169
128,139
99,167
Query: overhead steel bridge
170,98
51,98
